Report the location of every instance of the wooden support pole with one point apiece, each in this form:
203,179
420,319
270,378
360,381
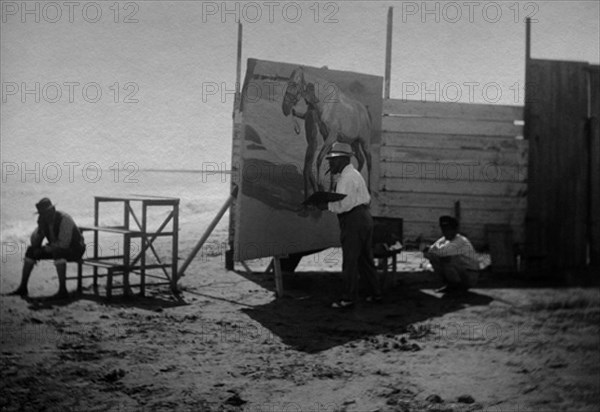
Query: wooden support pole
269,268
175,246
388,53
457,211
527,89
527,39
245,265
278,277
229,264
238,71
208,231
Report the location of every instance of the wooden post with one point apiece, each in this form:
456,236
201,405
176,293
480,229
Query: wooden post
457,211
388,53
229,264
278,277
143,240
527,89
175,246
527,38
96,236
238,73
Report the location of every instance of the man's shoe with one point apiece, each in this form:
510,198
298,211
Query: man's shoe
443,289
342,304
18,292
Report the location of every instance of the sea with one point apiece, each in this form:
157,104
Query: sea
201,196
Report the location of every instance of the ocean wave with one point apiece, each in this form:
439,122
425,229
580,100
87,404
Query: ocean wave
17,231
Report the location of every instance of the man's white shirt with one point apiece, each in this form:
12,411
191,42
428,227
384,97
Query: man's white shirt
352,184
459,246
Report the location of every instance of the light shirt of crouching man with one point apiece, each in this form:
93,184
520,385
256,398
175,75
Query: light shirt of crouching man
352,184
459,246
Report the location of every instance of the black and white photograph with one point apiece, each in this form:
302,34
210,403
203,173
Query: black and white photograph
308,206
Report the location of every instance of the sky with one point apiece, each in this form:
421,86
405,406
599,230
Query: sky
147,84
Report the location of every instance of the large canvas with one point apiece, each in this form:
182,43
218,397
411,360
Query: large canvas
290,115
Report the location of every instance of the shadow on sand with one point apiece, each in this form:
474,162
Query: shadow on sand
151,302
304,320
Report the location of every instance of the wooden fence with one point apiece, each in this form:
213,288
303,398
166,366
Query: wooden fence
434,155
562,110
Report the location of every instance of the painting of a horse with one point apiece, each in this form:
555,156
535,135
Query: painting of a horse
338,117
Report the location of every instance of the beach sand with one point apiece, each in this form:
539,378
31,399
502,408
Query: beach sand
227,344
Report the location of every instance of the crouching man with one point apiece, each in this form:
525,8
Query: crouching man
65,244
453,258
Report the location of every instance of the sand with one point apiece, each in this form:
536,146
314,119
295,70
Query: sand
227,344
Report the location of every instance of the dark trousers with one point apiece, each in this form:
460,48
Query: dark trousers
356,227
454,271
38,253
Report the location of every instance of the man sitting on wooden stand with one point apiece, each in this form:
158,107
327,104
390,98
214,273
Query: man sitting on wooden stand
65,244
453,258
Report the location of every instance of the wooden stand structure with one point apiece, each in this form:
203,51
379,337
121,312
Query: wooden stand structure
126,263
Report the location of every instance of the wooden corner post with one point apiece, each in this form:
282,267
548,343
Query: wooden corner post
388,53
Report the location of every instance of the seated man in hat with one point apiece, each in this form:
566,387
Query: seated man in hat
356,225
453,257
65,244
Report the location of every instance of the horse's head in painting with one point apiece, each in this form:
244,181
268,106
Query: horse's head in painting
293,91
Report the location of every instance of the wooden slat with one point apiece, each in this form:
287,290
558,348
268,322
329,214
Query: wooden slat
450,126
416,154
455,171
446,201
456,142
473,217
420,212
430,231
505,189
453,154
453,110
112,229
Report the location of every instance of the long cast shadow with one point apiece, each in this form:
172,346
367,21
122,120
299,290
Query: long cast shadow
304,320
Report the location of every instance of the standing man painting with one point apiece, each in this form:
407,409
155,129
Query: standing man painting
65,244
356,226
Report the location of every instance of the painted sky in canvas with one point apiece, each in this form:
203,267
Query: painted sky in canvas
155,91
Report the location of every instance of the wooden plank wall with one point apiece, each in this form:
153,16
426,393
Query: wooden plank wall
435,154
557,215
